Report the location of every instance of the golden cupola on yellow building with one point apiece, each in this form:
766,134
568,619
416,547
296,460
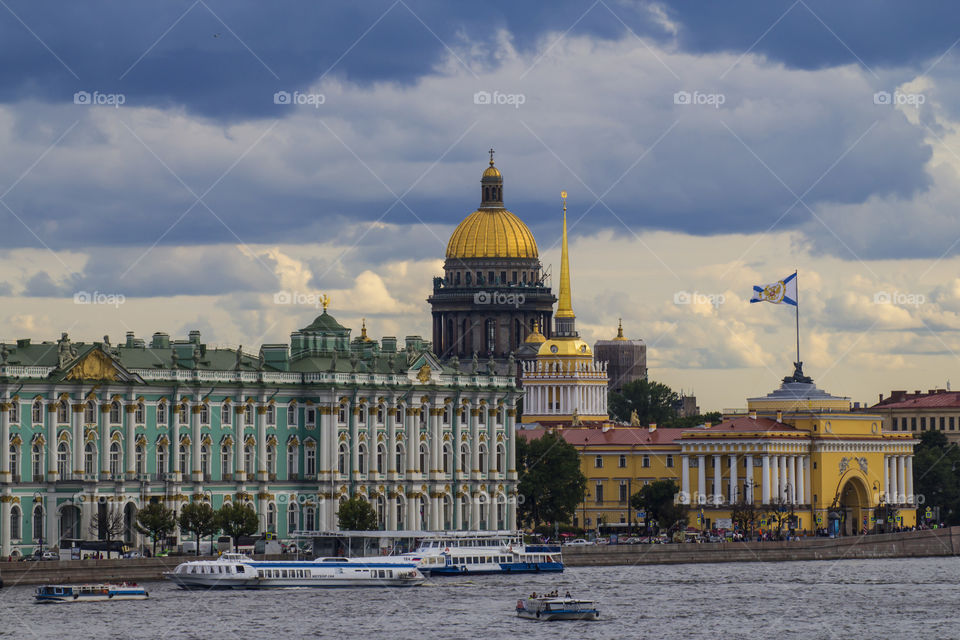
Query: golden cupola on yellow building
564,384
493,291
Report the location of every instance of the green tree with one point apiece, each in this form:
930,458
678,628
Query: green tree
237,520
155,521
936,473
551,484
200,519
653,402
659,500
356,514
713,417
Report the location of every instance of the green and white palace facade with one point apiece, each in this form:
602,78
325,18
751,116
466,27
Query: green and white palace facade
292,431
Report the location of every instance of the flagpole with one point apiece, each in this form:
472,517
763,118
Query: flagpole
797,278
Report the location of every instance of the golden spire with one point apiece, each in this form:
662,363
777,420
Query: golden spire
619,329
564,306
363,331
325,301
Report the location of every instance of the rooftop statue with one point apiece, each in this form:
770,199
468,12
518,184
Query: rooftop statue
798,375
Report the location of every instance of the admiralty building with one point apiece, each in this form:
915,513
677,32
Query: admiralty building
292,429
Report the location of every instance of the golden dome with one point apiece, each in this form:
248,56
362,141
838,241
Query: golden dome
568,347
535,337
492,233
492,172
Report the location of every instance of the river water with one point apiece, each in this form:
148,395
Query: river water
901,598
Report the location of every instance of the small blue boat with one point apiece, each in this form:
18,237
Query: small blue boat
55,593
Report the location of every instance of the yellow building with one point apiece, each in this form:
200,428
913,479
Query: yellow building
798,454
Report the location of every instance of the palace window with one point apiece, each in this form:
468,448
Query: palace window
310,519
942,423
115,466
36,459
623,462
446,415
646,462
499,461
90,413
138,460
342,414
115,412
63,461
38,522
15,519
446,458
90,458
423,458
225,464
379,414
248,460
205,461
271,517
292,519
399,460
399,415
62,416
271,415
598,462
464,458
161,459
36,411
291,460
913,424
923,424
952,425
248,415
311,462
362,458
598,493
14,412
310,416
184,459
342,459
482,455
669,461
291,415
225,415
182,413
162,413
140,414
204,414
271,459
15,462
381,457
623,491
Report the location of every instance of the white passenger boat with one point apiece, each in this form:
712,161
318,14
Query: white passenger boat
552,608
50,593
237,571
471,552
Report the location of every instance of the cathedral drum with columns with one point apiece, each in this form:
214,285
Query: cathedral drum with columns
93,429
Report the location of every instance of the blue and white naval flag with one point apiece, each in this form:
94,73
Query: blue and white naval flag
783,291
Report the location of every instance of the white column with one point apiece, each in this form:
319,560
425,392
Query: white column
475,445
901,483
129,429
195,445
909,477
51,447
886,478
261,449
784,481
792,472
684,478
748,476
775,478
765,480
717,480
801,480
76,417
733,490
701,479
391,507
5,508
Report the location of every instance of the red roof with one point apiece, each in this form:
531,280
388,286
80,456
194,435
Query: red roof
626,436
936,400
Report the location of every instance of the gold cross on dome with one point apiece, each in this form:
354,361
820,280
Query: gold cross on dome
491,156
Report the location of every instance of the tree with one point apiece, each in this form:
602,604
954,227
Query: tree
713,417
653,402
155,521
237,520
659,500
551,484
200,519
746,516
107,524
936,472
356,514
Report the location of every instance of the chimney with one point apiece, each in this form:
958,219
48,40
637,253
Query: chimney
779,416
881,398
653,427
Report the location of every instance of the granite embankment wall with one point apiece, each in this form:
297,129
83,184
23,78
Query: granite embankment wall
911,544
141,570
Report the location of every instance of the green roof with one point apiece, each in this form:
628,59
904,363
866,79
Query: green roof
325,323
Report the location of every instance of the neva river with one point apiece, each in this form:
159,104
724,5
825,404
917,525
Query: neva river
902,598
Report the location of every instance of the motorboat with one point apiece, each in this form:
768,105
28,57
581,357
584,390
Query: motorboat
549,608
50,593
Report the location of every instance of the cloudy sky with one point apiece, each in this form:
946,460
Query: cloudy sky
186,161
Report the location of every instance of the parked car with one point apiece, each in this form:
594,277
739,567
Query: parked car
577,542
133,554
